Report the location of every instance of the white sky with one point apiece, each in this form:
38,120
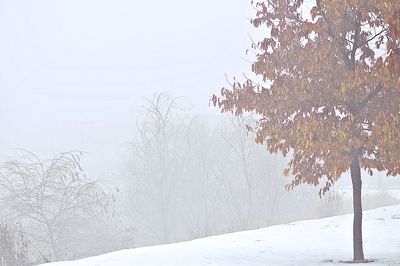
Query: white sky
73,72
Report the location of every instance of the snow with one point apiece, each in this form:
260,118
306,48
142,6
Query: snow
312,242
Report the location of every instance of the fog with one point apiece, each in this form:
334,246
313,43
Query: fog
78,70
99,76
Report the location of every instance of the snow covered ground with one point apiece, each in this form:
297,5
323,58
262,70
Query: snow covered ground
313,242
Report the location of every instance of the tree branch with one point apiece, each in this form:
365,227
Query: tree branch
373,37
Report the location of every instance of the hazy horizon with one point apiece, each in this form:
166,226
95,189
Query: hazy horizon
74,73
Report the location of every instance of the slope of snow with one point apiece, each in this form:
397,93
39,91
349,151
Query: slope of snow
313,242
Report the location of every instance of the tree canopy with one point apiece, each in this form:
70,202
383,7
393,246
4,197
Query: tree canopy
329,87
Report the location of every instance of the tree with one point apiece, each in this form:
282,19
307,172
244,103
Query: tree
50,197
240,144
159,154
328,93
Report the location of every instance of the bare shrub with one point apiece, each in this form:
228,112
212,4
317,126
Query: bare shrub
50,198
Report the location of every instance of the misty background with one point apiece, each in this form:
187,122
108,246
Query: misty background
73,73
129,83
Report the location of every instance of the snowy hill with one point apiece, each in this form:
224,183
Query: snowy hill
312,242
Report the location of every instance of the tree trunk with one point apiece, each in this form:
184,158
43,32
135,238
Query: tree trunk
357,223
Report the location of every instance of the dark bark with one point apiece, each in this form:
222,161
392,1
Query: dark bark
357,223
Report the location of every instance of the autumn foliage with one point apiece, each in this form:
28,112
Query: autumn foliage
328,93
329,88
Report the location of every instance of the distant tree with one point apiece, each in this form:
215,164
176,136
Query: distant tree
50,197
158,156
243,148
329,91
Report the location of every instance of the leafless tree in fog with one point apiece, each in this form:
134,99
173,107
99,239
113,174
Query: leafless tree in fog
159,157
49,197
241,146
